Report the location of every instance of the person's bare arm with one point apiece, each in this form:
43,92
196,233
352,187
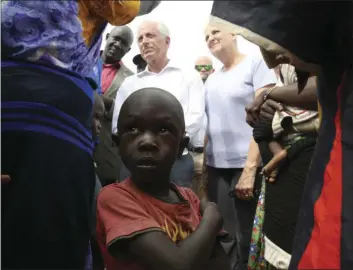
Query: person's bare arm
287,95
290,96
253,158
155,250
219,259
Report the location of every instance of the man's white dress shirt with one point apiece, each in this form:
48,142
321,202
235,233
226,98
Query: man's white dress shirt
185,85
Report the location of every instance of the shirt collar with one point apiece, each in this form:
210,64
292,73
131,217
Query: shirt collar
117,65
170,65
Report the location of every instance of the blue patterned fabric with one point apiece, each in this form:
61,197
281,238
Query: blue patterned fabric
97,73
49,33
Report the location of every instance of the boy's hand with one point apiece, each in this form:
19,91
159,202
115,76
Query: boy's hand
212,214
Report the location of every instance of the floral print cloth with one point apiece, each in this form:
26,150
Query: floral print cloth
257,245
65,34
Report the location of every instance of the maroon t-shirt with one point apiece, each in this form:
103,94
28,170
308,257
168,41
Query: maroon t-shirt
123,211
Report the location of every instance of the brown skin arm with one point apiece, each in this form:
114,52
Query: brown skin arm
155,250
287,95
219,259
199,251
275,147
271,168
274,162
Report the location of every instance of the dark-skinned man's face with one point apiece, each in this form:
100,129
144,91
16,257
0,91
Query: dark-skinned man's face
118,44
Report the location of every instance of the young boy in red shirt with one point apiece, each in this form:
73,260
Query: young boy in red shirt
146,222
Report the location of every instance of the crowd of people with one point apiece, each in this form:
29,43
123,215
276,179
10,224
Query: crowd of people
164,167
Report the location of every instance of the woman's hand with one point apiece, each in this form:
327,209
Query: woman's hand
245,186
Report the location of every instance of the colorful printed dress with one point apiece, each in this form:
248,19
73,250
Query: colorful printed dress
257,245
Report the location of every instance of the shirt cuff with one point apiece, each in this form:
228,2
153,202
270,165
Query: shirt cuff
130,230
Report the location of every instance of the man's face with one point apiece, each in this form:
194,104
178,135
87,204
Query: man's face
118,44
204,66
218,39
152,44
150,139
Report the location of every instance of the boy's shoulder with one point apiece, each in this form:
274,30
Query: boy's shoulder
115,189
126,192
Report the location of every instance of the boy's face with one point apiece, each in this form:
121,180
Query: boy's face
150,139
98,113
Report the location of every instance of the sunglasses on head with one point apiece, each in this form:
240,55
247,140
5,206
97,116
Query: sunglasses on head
205,67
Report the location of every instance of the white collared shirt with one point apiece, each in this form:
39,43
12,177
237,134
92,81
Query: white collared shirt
185,85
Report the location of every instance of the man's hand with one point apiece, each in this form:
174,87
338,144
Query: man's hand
253,109
269,108
245,186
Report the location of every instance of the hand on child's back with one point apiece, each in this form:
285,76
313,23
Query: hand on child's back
211,213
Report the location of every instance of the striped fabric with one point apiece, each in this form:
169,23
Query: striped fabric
36,106
294,31
30,116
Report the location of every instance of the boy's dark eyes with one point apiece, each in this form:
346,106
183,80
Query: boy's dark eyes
164,130
132,129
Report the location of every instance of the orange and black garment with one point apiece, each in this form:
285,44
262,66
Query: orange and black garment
315,37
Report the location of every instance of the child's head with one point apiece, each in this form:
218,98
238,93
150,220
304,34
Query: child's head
151,133
97,115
